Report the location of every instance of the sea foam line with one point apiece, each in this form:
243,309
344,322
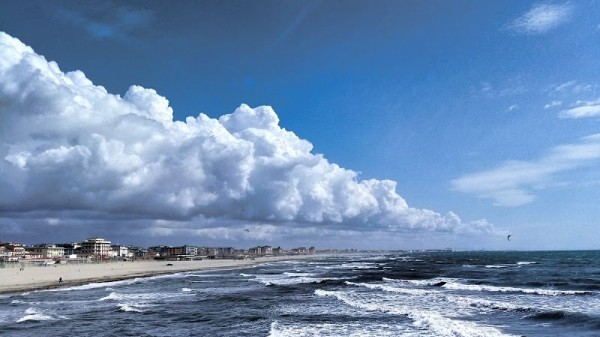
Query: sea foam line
449,283
441,326
340,329
32,314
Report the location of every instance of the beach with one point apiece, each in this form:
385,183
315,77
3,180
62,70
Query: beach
46,277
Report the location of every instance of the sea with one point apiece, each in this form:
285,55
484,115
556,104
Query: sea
376,294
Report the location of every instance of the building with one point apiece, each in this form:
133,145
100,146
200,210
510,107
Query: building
12,251
227,251
158,250
300,250
138,252
71,248
255,250
48,251
190,250
261,250
121,251
174,251
96,247
5,255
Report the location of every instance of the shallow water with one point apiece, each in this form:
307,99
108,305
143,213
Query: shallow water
399,294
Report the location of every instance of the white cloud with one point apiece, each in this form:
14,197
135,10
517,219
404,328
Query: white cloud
565,86
572,87
541,18
552,104
71,149
510,87
513,108
582,110
514,182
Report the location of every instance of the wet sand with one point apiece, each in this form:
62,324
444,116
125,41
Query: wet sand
46,277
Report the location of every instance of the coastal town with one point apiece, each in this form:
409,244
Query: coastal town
98,249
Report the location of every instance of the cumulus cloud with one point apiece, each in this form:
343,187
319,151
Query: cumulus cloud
71,149
541,18
513,183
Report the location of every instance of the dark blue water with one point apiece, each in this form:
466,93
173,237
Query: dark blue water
399,294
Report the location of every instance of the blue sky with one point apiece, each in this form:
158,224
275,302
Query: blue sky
485,109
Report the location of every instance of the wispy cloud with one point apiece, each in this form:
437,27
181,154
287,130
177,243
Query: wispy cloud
512,108
513,183
564,86
511,87
552,104
574,87
112,22
582,110
541,18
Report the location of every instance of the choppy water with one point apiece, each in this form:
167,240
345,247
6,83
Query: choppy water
400,294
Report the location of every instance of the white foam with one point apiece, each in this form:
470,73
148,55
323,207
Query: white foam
115,296
424,319
33,315
283,279
536,291
421,283
443,326
500,266
450,283
203,275
354,265
298,274
93,285
442,298
129,307
462,304
483,304
279,329
406,291
186,290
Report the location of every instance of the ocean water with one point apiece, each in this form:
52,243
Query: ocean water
391,294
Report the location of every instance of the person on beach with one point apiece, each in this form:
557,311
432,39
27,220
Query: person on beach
60,280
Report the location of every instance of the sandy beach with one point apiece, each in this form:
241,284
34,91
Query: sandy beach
46,277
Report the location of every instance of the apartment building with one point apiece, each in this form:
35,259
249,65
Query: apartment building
48,251
96,247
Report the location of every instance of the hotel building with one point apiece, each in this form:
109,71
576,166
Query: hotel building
96,247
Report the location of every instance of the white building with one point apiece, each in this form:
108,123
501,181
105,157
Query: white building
97,247
49,251
121,251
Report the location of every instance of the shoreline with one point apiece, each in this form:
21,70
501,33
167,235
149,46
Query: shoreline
15,280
